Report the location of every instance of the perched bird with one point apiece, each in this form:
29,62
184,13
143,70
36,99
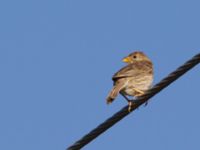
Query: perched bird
133,79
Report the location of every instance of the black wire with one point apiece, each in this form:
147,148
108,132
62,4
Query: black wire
141,100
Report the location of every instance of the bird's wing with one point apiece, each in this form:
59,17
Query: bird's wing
133,70
130,70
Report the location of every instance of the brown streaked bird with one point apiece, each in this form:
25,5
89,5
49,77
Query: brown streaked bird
133,79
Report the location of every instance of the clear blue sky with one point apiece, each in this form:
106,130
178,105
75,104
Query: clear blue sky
57,59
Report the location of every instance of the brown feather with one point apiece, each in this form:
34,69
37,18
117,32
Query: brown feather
133,79
115,91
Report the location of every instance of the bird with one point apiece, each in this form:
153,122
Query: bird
133,79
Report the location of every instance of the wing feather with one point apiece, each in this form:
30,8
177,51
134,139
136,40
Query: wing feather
132,70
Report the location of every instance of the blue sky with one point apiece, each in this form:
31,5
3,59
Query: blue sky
57,59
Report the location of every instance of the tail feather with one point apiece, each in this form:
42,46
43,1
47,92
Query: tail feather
113,93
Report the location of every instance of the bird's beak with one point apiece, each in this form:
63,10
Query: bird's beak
126,60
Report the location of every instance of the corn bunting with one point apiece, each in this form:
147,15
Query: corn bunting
133,79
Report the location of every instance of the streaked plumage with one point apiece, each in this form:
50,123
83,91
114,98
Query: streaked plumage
133,79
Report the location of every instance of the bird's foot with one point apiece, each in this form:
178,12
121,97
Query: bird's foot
130,103
138,92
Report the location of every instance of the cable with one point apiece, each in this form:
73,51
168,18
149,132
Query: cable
135,104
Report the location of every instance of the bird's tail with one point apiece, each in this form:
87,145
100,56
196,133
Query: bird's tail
113,93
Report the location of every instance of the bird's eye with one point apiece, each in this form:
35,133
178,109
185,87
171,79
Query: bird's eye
134,56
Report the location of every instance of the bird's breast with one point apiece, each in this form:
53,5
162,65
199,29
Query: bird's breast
141,83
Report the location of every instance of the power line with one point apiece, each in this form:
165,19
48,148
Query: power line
135,104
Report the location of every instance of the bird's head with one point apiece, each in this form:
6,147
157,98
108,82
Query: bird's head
136,57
